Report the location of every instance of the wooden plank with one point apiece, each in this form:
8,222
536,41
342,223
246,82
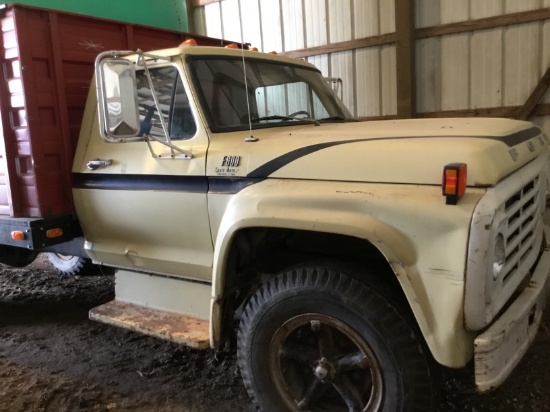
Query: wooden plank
542,110
370,41
175,327
405,58
504,111
482,112
440,30
537,94
485,23
508,112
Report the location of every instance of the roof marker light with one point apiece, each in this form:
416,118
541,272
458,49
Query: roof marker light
232,46
454,182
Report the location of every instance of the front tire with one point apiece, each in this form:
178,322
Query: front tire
315,339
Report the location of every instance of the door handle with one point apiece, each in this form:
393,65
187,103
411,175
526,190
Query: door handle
94,164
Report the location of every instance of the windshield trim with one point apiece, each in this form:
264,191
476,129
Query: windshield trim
190,58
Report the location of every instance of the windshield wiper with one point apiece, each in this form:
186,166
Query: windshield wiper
338,118
280,117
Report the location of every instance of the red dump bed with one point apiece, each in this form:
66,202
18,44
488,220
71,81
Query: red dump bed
47,64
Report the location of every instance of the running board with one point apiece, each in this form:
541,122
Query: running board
175,327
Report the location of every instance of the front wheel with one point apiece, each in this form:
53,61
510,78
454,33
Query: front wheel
315,339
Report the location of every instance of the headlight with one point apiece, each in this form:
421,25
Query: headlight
498,256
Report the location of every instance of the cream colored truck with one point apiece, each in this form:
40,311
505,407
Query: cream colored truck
352,264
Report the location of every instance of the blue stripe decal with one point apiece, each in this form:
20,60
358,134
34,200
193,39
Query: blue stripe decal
188,184
273,165
231,185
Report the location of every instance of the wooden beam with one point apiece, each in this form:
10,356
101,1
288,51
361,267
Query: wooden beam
535,97
504,111
484,24
379,40
405,58
542,110
452,28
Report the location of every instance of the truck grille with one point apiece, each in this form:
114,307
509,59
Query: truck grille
510,215
523,222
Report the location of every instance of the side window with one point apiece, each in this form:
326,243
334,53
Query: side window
173,102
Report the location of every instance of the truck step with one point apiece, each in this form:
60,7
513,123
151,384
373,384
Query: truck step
175,327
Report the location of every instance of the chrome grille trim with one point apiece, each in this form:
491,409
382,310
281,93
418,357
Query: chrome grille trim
522,224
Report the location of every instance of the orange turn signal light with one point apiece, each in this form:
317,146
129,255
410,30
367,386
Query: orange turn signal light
253,49
52,233
232,46
189,42
454,182
17,235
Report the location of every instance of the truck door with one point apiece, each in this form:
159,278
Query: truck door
144,206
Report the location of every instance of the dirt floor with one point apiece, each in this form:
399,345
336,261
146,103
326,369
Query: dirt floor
52,358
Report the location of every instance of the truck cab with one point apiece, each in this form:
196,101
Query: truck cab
226,183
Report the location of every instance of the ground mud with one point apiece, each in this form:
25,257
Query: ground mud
52,358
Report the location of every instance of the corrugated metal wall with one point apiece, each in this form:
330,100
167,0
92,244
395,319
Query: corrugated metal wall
480,69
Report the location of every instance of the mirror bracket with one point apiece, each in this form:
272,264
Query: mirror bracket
184,154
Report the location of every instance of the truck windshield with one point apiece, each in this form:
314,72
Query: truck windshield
278,94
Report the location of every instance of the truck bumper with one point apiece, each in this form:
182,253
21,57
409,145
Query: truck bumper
500,348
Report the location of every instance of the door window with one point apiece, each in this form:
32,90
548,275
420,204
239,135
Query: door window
173,102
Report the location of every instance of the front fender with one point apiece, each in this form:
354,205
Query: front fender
423,240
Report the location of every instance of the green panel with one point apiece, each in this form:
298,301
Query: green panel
166,14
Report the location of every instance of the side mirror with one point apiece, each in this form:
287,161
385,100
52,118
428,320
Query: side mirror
117,99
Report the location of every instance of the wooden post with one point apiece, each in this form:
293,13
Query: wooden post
405,58
535,97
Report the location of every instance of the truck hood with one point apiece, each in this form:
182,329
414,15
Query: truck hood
400,151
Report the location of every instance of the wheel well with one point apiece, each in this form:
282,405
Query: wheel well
258,254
